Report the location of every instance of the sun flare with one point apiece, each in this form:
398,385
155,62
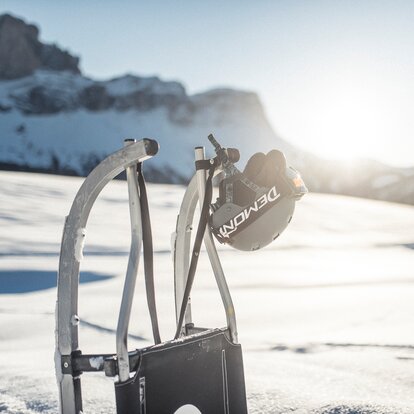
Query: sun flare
349,121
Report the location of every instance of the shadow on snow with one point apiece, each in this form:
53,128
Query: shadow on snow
24,281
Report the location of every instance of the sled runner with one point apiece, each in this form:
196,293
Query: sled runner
200,368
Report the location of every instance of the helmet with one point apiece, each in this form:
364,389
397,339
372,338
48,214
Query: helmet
256,205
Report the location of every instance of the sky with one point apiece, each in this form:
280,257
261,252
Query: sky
335,77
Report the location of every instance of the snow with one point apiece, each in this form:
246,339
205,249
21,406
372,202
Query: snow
80,242
384,180
324,313
67,135
129,84
62,83
76,137
96,362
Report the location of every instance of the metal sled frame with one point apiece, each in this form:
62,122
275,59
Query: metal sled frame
69,361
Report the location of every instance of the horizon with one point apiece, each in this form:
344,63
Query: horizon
338,83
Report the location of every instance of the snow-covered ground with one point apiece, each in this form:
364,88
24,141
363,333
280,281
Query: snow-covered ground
324,314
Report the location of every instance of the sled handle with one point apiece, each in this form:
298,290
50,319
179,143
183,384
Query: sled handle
195,191
132,270
67,319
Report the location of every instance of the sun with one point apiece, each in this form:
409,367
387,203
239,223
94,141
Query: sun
347,120
344,116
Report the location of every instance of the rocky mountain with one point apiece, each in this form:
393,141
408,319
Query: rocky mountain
21,52
54,119
64,122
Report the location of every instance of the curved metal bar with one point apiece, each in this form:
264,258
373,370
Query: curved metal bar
70,257
181,248
182,251
132,271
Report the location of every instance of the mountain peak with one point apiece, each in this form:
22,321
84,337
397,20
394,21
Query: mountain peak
21,52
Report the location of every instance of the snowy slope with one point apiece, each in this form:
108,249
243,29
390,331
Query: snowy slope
324,313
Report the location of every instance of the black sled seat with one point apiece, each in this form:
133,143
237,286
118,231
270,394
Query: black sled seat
202,368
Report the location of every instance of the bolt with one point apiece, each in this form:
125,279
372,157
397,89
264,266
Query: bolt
66,365
75,320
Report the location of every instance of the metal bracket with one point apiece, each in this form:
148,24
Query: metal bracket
68,365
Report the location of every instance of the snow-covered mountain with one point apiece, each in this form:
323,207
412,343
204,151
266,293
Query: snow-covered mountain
52,118
65,122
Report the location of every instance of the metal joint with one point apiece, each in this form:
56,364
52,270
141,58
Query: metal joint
111,368
67,363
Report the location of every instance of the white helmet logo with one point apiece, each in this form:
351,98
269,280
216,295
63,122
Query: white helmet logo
232,225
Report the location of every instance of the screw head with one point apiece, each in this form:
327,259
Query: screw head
66,365
75,320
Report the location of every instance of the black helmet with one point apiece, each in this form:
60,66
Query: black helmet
256,205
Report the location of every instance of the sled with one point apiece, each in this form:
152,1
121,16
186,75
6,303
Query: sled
199,368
